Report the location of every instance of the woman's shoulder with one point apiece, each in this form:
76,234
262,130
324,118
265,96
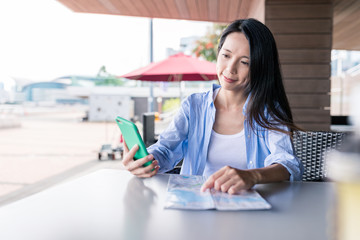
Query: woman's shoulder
197,97
207,95
201,98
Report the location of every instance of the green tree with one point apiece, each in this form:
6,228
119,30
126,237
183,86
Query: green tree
171,104
107,79
206,47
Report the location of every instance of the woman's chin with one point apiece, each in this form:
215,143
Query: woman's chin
235,86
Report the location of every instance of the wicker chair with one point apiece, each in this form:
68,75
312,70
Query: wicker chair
312,148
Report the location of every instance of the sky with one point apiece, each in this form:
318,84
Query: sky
42,40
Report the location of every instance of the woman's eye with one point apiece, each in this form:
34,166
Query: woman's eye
245,63
226,55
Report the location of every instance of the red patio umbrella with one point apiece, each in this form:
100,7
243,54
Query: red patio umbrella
178,67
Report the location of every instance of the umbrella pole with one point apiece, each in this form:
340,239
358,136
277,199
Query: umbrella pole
151,98
182,86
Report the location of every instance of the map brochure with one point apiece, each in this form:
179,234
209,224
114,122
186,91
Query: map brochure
183,192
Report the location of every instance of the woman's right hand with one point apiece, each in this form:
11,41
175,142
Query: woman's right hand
136,166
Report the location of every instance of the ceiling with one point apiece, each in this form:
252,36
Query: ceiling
346,21
199,10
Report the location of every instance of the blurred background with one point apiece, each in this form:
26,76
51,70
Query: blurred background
60,91
60,68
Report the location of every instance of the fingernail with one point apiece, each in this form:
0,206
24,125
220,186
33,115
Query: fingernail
150,157
155,162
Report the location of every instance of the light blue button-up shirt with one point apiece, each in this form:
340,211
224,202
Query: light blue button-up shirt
188,137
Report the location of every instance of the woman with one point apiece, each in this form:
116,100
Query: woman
238,134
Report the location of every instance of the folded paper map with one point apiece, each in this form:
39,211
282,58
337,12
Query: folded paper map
183,192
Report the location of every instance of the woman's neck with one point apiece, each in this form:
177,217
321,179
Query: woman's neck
230,100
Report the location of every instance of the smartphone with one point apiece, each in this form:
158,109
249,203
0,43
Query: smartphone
131,137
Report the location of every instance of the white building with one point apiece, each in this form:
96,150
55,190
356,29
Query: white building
106,107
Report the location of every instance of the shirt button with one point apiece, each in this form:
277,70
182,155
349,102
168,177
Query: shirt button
250,162
249,136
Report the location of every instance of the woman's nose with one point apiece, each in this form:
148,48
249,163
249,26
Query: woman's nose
231,67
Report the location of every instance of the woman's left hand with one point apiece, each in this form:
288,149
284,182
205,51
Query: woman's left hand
231,180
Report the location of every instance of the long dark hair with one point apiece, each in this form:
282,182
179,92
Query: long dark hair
266,85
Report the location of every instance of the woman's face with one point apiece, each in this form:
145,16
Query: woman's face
233,62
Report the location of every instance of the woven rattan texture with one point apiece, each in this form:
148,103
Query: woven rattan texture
312,148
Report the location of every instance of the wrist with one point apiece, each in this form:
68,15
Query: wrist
256,176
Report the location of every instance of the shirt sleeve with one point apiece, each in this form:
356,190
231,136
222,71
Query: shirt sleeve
281,152
172,144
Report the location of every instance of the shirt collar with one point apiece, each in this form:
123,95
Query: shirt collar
211,94
211,97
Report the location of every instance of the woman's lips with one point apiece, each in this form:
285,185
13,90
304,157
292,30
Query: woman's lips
228,80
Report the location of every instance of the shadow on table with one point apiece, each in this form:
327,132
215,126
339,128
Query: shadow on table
138,200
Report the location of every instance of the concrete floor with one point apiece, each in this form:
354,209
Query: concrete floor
50,147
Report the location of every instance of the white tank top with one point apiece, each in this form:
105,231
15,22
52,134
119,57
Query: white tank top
225,150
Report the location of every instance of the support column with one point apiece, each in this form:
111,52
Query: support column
303,33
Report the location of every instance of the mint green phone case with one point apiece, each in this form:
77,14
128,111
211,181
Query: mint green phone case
132,136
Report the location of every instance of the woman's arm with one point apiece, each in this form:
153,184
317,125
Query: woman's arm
273,173
279,165
167,150
282,153
170,147
232,180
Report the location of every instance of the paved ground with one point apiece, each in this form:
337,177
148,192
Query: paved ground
50,147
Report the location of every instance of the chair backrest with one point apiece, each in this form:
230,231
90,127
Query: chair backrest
312,148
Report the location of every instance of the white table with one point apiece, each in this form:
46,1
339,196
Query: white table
112,204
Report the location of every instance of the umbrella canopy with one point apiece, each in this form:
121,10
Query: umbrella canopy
178,67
